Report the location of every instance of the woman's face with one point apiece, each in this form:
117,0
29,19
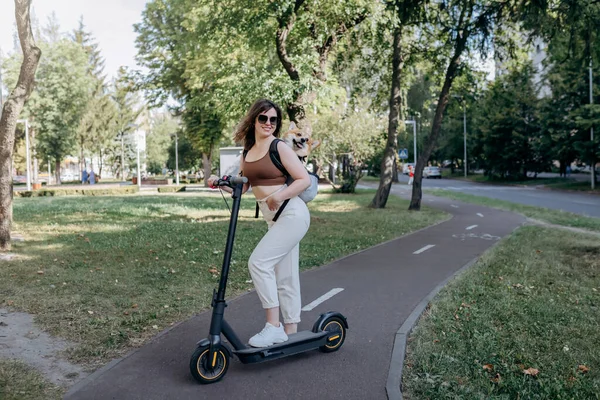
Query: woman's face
266,123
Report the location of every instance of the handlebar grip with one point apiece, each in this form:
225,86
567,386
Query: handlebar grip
236,180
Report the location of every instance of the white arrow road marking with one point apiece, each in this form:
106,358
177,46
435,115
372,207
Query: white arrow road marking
455,206
321,299
480,214
471,227
424,249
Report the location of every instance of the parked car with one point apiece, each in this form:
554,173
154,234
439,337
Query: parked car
432,172
405,168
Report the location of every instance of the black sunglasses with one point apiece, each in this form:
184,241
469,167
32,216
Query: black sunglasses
263,119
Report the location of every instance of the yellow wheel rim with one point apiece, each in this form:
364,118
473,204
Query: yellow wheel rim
199,365
334,326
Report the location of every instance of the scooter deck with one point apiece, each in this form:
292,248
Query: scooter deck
297,343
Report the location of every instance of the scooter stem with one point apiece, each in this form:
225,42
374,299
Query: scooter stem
235,208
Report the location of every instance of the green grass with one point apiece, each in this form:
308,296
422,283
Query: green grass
21,382
583,186
111,272
542,214
369,178
532,302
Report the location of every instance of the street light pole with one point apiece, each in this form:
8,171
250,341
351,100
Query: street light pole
465,133
176,161
464,103
415,139
414,124
592,129
139,174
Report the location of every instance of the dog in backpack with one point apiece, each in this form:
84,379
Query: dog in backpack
300,141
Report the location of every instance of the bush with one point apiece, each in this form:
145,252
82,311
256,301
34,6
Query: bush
78,192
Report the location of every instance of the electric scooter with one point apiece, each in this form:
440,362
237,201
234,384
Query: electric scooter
210,361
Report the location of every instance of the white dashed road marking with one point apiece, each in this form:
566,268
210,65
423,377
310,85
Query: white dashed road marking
480,214
471,227
424,249
321,299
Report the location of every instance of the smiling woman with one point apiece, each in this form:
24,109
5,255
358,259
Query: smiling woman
274,263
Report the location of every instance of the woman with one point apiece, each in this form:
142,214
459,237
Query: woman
274,263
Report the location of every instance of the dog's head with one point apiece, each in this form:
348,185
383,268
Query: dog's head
300,141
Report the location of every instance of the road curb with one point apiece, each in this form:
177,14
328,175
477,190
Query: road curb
394,381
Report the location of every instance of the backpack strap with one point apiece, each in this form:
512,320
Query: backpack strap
274,154
276,160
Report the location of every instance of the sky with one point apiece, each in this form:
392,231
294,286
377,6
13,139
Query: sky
109,21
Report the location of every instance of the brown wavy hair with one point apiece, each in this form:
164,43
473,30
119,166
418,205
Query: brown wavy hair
245,130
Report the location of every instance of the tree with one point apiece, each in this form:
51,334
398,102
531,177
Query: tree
461,25
94,127
158,141
204,130
570,27
10,114
63,88
125,120
510,121
354,135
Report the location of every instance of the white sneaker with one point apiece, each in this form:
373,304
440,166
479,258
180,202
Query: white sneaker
268,336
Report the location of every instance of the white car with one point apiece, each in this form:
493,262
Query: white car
432,172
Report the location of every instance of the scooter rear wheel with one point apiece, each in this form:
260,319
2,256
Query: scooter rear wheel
337,334
199,362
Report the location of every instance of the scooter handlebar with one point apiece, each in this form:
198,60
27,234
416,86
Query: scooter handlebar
231,181
236,180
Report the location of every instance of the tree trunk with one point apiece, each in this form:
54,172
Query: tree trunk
451,71
100,163
10,113
206,167
396,113
57,172
81,161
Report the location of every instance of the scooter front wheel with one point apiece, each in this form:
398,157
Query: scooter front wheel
337,334
218,365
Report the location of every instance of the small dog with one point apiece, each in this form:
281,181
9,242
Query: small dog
300,142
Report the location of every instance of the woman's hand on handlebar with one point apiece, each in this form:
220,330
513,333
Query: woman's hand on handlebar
212,180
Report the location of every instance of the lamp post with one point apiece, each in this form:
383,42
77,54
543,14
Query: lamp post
139,174
464,104
28,161
176,159
414,124
592,129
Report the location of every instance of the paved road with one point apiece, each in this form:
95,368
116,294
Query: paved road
579,203
382,286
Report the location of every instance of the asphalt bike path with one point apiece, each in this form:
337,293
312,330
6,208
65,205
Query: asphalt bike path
375,289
